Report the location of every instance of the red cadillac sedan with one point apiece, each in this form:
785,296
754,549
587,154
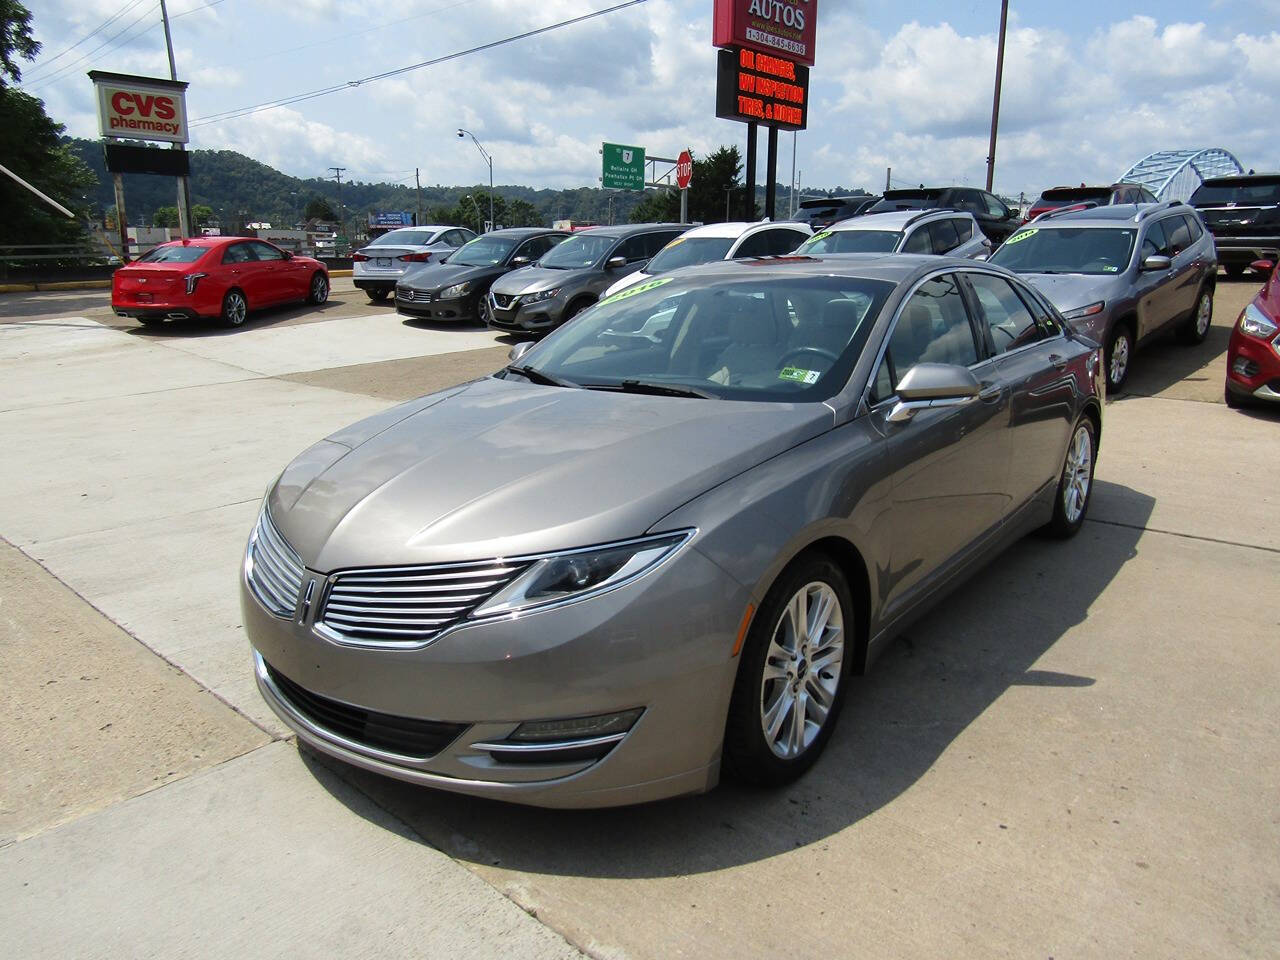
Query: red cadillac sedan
222,277
1253,355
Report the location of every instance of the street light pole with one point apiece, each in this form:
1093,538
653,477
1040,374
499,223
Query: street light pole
489,160
995,102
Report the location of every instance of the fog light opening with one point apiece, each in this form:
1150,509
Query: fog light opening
576,728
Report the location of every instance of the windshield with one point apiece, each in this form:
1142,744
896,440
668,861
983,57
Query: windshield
890,204
852,241
483,251
174,254
413,238
755,338
686,251
1094,250
577,252
1244,194
822,214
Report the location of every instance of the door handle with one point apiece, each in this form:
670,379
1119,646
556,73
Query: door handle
990,392
1059,362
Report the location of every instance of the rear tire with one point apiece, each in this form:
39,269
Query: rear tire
1119,356
1234,270
378,296
1075,484
234,308
1196,327
791,682
574,309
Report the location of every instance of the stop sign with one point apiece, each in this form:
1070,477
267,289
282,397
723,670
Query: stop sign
684,170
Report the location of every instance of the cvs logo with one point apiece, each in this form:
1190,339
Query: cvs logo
144,105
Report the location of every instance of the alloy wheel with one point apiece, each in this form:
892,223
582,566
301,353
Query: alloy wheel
802,670
1077,474
1204,314
1119,364
235,309
319,290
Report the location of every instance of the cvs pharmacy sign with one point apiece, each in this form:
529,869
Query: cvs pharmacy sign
141,108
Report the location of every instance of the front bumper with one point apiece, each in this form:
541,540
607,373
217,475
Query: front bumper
526,317
1253,367
661,643
1246,249
413,304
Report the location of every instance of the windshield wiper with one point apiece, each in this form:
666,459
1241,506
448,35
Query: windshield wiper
664,389
537,376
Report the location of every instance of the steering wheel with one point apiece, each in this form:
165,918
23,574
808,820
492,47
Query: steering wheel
797,351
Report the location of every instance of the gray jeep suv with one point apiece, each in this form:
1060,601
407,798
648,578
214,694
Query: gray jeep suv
1122,275
574,275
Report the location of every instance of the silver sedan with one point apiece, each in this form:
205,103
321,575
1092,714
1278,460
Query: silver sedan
655,547
376,268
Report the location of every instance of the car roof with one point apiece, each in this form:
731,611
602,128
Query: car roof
1242,180
893,267
893,219
1112,215
737,228
825,201
522,232
630,229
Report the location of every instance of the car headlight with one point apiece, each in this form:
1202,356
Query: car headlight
578,574
539,296
457,290
1256,324
1088,310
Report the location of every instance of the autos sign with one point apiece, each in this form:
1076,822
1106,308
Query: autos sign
786,27
141,108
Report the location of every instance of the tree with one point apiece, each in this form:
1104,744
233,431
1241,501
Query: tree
711,176
34,149
202,213
318,208
165,217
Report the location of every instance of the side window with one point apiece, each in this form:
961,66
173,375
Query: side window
264,251
1178,234
1043,312
944,236
237,253
994,206
631,249
531,249
756,245
786,241
964,229
653,242
1193,226
1154,243
933,328
964,200
457,238
1007,317
882,385
918,241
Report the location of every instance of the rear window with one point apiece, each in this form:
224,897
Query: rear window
176,254
414,238
1060,196
1250,193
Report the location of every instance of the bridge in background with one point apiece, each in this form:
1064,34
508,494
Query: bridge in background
1175,174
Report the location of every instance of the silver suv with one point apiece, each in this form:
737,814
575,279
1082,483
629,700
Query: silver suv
942,232
1122,274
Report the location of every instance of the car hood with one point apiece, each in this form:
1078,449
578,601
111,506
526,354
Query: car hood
1066,291
629,280
504,468
534,279
435,276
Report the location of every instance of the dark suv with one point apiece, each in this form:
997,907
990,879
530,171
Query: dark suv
573,275
1243,214
996,220
821,212
1060,197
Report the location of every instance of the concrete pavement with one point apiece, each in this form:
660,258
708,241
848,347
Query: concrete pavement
1076,755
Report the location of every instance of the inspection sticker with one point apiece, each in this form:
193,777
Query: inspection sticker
638,288
798,375
1022,236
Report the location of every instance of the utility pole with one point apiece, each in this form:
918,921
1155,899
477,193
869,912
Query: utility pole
342,212
791,200
888,176
418,185
184,186
995,103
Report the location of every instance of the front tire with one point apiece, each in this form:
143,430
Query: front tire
1075,485
318,292
792,677
378,296
234,308
1197,326
1119,356
1232,400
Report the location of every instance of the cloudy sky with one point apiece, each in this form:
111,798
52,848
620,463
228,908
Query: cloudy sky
1090,86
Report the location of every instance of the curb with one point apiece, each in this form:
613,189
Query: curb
59,285
339,273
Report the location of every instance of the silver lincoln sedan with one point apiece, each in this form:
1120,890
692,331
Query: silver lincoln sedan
656,545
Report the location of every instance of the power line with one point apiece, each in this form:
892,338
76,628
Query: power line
67,68
98,29
325,91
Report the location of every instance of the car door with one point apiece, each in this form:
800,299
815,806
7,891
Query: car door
1000,219
943,236
280,274
949,464
759,244
245,271
1185,273
784,240
1156,301
1031,362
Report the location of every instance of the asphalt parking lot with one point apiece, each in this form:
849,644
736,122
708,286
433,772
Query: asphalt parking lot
1078,754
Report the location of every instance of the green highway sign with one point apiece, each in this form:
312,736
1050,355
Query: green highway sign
623,167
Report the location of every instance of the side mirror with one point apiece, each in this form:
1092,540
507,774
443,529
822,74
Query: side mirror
984,256
520,261
519,350
932,385
613,263
1157,262
1264,267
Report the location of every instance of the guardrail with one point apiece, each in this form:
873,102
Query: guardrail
28,262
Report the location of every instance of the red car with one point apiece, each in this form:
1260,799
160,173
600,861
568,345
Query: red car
1253,355
222,277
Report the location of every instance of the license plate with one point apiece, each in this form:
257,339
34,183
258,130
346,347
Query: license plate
382,263
145,298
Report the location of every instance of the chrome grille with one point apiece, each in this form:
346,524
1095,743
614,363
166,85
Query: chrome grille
410,605
273,570
414,296
503,300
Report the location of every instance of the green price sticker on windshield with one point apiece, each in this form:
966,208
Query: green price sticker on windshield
816,237
798,375
1017,237
637,289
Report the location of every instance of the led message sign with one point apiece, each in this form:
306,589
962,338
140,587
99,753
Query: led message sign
760,87
786,27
